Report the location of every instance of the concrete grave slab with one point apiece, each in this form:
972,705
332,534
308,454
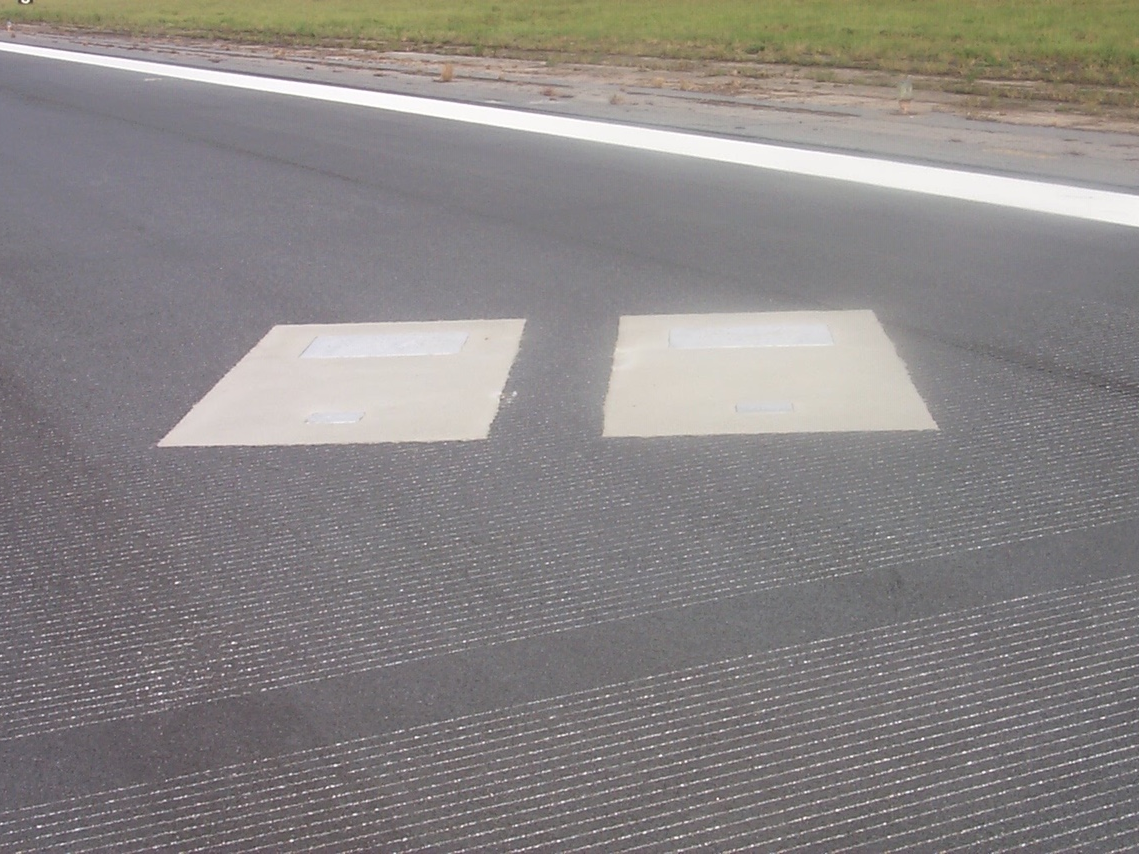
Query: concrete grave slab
774,372
359,383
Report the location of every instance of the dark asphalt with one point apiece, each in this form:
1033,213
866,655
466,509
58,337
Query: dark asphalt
908,641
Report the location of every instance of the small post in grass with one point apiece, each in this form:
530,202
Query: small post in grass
905,95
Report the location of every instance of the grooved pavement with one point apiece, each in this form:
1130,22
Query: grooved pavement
983,730
419,569
179,622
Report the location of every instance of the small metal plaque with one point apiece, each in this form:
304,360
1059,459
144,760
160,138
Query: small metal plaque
764,335
334,418
760,407
385,344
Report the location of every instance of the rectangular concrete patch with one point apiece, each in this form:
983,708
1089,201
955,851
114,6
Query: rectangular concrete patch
774,372
359,383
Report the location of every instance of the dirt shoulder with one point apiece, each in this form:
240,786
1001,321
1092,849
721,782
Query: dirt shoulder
997,125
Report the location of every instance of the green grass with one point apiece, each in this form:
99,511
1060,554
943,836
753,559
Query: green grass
1076,41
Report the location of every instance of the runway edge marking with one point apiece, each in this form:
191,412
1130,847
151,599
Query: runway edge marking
1017,193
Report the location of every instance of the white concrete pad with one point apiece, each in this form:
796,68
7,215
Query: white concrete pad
359,383
775,372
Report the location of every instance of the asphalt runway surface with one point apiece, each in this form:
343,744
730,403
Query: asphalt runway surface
548,639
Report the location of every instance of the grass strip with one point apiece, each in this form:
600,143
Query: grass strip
1092,42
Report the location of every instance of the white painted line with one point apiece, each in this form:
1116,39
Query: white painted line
393,344
1038,196
766,335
